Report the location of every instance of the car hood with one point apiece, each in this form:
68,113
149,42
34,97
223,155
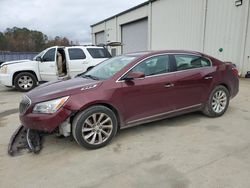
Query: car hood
61,88
15,62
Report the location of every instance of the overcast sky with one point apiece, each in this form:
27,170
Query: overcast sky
70,18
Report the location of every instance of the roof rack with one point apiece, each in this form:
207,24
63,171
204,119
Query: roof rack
85,45
101,44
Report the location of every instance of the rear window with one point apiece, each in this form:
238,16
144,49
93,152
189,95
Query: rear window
99,52
184,62
76,53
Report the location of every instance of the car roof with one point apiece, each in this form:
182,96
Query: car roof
155,52
136,54
83,46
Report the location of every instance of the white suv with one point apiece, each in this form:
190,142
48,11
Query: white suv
51,64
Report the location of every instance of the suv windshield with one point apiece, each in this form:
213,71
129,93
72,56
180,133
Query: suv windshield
109,67
39,55
99,52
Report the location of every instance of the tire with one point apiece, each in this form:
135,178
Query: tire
218,102
93,135
25,81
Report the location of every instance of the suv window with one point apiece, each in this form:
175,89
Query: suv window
153,66
50,55
99,52
76,53
184,62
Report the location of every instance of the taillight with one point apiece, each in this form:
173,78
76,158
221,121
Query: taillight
235,72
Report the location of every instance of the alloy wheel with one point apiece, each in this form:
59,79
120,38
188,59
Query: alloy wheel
25,82
219,101
97,128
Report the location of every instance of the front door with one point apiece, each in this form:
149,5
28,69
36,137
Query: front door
47,67
151,96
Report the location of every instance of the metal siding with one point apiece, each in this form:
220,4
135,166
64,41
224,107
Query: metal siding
98,28
100,38
201,25
110,30
246,56
177,24
112,26
137,14
135,36
225,29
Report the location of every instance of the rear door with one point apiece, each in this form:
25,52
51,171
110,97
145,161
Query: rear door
194,76
77,62
152,95
47,67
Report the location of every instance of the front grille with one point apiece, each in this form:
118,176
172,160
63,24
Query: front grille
24,104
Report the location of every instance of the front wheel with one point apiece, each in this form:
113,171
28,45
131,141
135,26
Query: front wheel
25,81
94,127
217,103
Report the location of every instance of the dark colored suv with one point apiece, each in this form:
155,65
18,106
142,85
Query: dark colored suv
129,90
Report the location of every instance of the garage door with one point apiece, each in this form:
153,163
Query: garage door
135,36
100,38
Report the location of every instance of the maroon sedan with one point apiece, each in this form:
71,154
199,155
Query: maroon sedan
129,90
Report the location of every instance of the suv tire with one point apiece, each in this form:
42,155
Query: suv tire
25,81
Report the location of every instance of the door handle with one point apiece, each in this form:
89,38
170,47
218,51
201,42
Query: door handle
168,85
208,77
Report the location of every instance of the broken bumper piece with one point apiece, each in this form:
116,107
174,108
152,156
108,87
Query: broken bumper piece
24,138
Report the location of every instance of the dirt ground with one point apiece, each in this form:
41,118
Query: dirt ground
186,151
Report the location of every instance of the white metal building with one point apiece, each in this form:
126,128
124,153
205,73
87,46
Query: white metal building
220,28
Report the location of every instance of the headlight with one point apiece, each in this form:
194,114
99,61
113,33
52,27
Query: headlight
3,69
50,107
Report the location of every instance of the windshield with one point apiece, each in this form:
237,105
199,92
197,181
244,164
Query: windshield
109,67
39,55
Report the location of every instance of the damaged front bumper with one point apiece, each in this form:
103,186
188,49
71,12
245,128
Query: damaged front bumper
25,138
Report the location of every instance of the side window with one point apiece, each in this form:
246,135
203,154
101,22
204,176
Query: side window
99,52
49,55
205,62
153,66
184,62
76,53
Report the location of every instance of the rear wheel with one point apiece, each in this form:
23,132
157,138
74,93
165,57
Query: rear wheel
217,103
94,127
25,81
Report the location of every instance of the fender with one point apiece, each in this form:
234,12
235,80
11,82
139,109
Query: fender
23,66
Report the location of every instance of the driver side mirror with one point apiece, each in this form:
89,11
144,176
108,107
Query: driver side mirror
39,59
133,75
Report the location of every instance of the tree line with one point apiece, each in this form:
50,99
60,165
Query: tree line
24,40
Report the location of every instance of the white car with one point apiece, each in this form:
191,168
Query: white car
24,75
